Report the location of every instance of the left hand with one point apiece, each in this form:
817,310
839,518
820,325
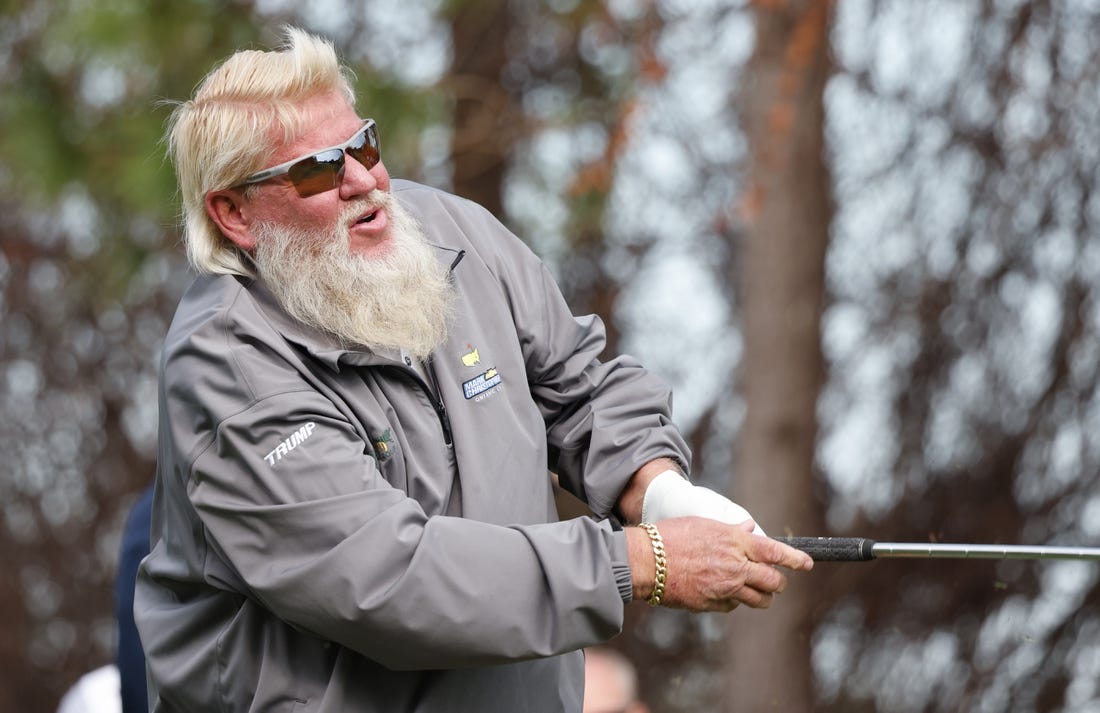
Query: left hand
671,495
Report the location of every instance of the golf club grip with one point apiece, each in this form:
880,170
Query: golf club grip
833,549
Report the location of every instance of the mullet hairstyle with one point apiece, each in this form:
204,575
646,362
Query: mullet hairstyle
226,132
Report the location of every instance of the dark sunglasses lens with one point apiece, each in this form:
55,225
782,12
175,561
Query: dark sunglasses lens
365,148
317,174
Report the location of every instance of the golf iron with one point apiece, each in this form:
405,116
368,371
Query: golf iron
860,549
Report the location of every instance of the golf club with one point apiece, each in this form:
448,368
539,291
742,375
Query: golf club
860,549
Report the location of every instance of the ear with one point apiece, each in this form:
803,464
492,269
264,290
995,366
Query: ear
228,210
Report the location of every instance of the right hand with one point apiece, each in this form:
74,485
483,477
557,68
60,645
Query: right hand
713,566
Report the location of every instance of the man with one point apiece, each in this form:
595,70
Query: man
610,683
361,394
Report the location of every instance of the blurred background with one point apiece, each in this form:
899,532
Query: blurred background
859,238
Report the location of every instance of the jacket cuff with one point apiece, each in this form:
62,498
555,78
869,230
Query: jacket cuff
620,566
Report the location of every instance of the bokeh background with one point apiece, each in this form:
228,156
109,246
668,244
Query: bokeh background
859,237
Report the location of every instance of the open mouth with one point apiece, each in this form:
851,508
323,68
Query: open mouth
368,218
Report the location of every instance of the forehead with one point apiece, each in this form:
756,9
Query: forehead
326,121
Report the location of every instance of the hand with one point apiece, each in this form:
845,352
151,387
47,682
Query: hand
671,495
713,566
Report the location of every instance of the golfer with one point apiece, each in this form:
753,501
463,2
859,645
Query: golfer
363,396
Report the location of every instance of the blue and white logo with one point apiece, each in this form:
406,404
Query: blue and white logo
481,383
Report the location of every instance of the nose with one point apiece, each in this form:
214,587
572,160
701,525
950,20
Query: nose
358,180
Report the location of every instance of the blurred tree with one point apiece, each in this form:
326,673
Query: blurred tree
487,114
786,210
957,350
962,341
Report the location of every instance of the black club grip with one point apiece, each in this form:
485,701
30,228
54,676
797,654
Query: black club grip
833,549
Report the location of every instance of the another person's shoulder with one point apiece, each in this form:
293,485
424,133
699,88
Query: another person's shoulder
98,691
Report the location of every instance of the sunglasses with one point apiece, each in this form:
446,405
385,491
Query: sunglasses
324,170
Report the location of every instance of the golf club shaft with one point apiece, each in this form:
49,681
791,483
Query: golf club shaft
860,549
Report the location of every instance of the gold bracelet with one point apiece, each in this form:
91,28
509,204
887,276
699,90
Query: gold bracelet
658,543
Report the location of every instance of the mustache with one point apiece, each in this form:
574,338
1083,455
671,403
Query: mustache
331,237
374,200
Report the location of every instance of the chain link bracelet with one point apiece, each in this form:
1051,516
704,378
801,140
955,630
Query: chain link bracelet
658,543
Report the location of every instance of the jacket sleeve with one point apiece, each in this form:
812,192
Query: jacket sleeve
604,419
319,538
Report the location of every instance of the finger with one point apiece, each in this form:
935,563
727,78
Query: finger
751,525
753,597
765,578
771,551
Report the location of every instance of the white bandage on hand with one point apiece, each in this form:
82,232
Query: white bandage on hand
671,495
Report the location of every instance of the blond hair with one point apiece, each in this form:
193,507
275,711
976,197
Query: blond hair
228,129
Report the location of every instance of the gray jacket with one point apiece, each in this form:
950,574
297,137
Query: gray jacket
334,530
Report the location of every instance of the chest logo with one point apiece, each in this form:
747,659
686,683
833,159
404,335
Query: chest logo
481,383
471,358
384,446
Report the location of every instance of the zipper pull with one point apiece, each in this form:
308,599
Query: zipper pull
445,421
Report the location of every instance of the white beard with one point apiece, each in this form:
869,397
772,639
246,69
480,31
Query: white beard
402,299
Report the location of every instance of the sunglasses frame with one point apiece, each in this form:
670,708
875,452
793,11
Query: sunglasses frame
369,132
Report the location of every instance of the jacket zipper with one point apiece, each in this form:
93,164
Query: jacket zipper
437,395
432,390
434,396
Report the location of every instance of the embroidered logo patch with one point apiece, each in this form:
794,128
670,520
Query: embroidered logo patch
481,383
384,446
471,358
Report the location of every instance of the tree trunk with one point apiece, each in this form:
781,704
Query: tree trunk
486,114
786,213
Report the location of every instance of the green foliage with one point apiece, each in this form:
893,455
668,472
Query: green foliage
80,105
402,114
86,89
